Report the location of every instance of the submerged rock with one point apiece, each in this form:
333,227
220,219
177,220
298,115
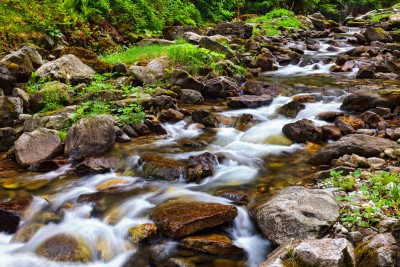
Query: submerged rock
11,213
296,212
64,248
204,117
178,218
291,109
201,166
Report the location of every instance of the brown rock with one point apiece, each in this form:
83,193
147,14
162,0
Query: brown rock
302,131
201,166
331,132
170,115
142,232
244,122
248,101
160,167
11,213
291,109
329,116
178,218
216,244
204,117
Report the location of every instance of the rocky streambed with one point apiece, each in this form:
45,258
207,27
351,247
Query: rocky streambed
225,174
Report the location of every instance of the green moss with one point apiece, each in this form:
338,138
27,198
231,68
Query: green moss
366,256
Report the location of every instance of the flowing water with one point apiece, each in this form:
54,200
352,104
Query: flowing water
250,165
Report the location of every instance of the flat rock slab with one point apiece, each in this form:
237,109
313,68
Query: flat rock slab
216,244
178,218
362,145
248,101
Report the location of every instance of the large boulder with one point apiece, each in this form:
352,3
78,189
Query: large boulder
67,69
27,57
64,248
254,87
377,34
221,87
248,101
302,131
363,101
90,137
10,109
39,145
362,145
179,218
325,252
87,57
57,120
233,29
7,138
152,73
216,244
186,81
377,251
296,212
215,46
291,109
318,20
160,167
201,166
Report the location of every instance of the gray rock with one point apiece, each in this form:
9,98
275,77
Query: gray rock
204,117
318,20
39,145
17,92
67,69
362,145
150,74
10,109
296,212
186,81
192,37
248,101
325,252
363,101
174,32
50,92
27,57
233,29
151,41
90,137
377,34
191,97
7,80
221,87
215,46
56,121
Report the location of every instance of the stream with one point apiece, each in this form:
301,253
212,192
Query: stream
251,164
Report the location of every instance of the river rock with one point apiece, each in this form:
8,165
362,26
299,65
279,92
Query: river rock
67,69
27,57
248,101
11,213
221,87
170,115
204,117
331,132
87,57
363,145
215,46
26,232
39,145
265,63
216,244
254,87
244,122
186,81
325,252
201,166
377,34
233,29
152,73
318,20
377,251
296,212
191,97
363,101
160,167
374,120
302,131
8,136
291,109
179,218
329,116
90,137
349,124
96,165
64,248
155,127
142,232
366,72
10,109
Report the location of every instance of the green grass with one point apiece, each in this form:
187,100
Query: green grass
179,54
380,17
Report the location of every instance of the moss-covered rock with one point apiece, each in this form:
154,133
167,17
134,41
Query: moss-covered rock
141,232
89,58
50,92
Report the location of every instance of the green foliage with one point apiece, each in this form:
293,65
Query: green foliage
380,17
63,135
131,113
34,83
91,108
135,54
374,198
279,19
